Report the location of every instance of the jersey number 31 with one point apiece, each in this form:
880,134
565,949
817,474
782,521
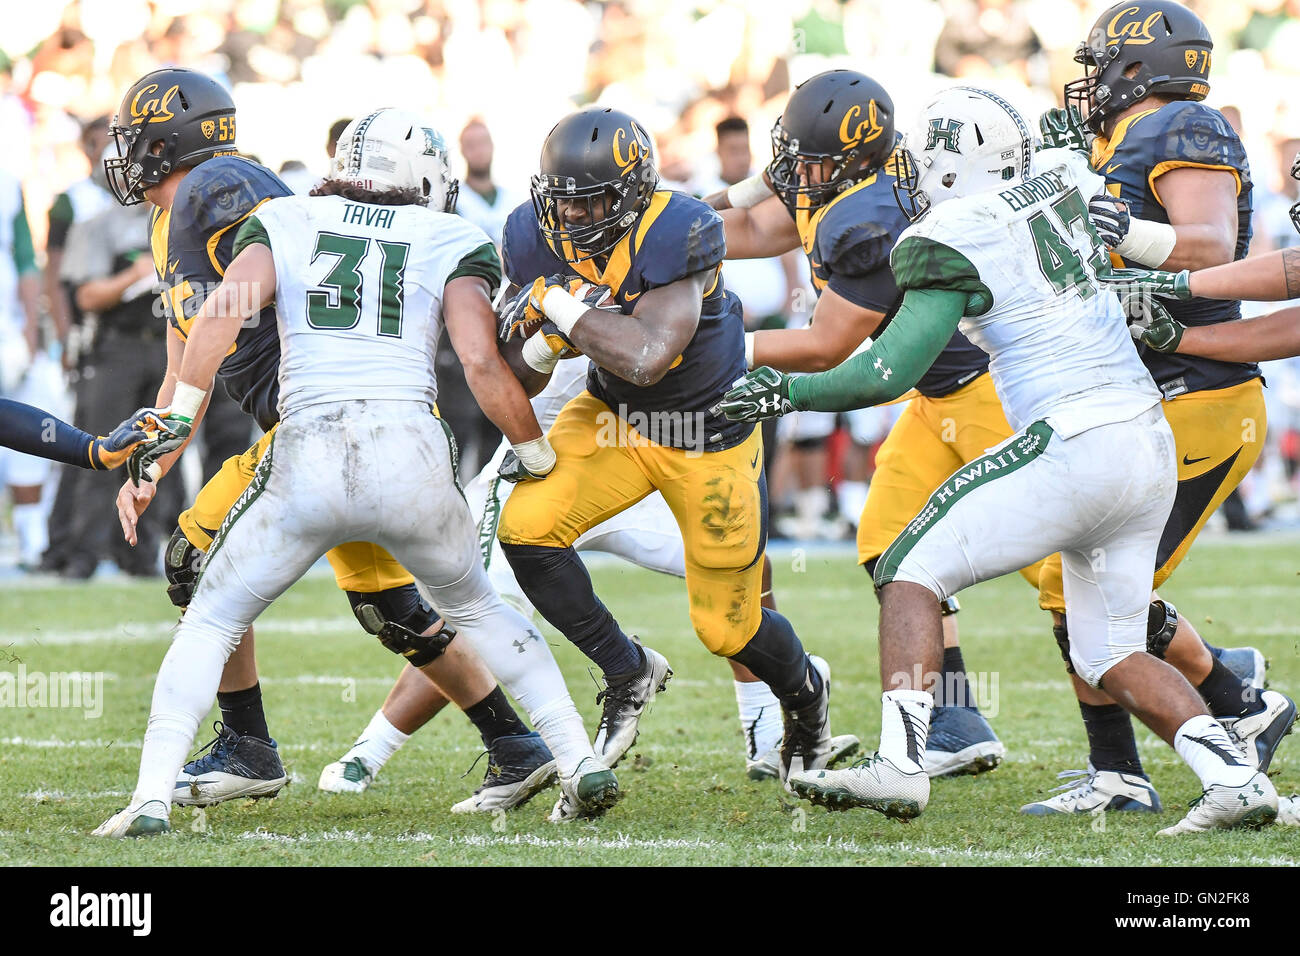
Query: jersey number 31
336,302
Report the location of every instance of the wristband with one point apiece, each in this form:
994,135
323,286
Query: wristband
748,192
749,350
537,354
563,309
537,455
186,401
153,472
1148,243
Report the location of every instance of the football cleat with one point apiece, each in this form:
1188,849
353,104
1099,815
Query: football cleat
346,776
1253,804
587,794
1259,734
1097,791
768,766
233,766
874,782
148,819
624,703
807,743
1288,811
1246,662
519,768
961,741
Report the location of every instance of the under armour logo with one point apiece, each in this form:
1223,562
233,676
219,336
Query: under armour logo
884,372
521,646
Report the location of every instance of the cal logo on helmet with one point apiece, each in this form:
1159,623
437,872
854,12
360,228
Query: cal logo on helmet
865,131
638,148
155,109
1136,29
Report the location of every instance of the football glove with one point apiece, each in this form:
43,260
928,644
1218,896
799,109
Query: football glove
1109,216
1167,285
1064,129
514,471
1150,324
762,393
173,431
112,450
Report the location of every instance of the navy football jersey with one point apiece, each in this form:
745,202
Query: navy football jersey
675,237
848,242
1143,148
193,242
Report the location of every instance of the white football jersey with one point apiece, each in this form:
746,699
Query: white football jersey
359,295
1058,342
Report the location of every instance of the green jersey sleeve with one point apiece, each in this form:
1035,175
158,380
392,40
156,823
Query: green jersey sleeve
250,232
920,262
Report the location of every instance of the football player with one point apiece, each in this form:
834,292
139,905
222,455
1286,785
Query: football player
643,424
1090,473
363,276
646,535
34,431
1181,173
829,190
175,135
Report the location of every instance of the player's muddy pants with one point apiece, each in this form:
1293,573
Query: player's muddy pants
1101,498
350,471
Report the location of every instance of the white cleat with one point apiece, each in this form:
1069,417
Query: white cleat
1259,734
587,794
1098,791
346,776
148,819
874,782
1254,804
624,704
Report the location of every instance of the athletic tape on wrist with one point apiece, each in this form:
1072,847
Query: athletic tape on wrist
537,354
187,400
537,455
748,192
1147,243
563,309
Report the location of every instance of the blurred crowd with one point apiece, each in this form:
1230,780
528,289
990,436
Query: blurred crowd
708,77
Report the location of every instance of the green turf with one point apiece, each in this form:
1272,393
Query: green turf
63,772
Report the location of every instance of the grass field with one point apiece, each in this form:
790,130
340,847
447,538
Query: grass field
63,771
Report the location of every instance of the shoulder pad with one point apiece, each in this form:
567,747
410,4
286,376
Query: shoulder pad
686,237
222,191
1187,132
858,229
523,252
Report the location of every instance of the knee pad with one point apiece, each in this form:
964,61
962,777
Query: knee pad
1062,634
1162,622
181,564
397,617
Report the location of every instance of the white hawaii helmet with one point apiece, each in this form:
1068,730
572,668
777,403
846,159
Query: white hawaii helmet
397,149
966,141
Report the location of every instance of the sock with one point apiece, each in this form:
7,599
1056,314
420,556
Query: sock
1111,744
775,656
904,726
760,717
1227,695
1213,757
561,727
493,717
377,743
556,581
241,711
953,689
32,531
187,681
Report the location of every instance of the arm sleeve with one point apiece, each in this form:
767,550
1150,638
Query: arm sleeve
252,231
24,252
34,431
484,263
895,362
